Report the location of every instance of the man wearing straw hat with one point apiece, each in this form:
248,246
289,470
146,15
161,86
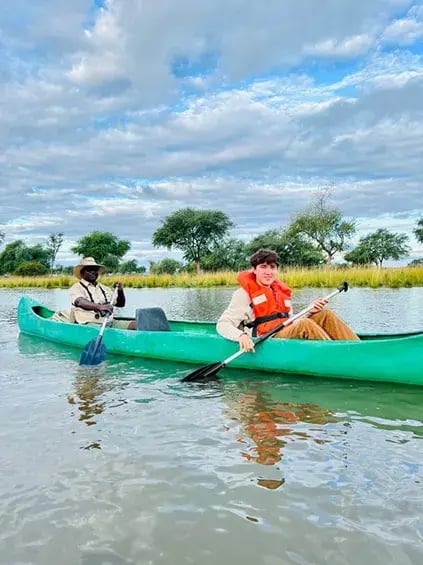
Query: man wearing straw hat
91,301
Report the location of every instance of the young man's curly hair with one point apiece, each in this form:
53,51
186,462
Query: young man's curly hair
264,256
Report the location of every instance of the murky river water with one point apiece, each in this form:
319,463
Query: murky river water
125,465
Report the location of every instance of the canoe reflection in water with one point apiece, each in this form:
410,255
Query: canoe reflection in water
266,426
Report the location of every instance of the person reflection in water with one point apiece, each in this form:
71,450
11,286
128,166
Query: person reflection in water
88,390
271,425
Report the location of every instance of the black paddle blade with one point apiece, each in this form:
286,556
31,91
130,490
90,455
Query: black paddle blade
203,372
94,352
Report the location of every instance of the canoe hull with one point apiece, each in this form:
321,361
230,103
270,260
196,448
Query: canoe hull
396,359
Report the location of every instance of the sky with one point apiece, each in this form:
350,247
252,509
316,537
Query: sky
116,113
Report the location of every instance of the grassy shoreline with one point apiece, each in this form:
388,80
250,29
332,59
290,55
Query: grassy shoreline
393,277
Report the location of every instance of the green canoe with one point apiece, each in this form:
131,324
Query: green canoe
396,358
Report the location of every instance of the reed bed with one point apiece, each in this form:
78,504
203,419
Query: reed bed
392,277
36,282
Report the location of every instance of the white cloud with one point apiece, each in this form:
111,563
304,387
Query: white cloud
140,41
346,48
406,31
143,108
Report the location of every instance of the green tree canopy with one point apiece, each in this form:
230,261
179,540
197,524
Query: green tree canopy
64,270
54,243
105,247
323,224
379,246
18,252
418,232
166,266
131,266
229,254
292,248
360,255
31,269
192,231
416,263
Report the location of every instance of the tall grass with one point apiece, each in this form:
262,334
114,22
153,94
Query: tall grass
36,282
393,277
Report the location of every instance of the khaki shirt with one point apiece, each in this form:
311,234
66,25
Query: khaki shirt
78,291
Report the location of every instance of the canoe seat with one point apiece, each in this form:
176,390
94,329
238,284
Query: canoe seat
151,320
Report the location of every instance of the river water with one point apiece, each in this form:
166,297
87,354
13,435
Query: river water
124,464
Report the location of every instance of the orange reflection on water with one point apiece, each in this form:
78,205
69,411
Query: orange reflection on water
270,425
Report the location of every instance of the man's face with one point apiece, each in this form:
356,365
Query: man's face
90,274
266,273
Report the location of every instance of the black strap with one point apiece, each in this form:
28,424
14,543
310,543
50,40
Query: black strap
269,318
91,296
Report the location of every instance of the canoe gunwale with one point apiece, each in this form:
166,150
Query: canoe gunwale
363,336
394,358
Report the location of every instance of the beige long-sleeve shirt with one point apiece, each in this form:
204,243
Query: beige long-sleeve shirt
239,312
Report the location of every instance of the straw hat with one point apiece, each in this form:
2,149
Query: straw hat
87,262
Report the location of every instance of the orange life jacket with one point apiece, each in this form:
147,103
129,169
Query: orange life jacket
269,304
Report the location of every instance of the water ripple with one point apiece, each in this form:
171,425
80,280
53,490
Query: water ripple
123,464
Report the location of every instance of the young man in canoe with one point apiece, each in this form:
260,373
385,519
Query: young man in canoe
91,300
262,303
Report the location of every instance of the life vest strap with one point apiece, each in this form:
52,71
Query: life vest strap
269,318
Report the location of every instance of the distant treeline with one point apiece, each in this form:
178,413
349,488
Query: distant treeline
313,238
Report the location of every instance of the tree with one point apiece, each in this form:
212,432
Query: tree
131,266
18,252
54,243
293,248
111,262
165,266
61,269
192,231
105,247
416,263
31,269
378,246
323,225
2,236
227,255
418,232
361,255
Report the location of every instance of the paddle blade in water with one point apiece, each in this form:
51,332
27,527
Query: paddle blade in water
203,372
94,352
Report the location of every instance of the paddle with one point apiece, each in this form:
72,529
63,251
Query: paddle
214,368
95,350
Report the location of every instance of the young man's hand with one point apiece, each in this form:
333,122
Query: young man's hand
245,343
318,305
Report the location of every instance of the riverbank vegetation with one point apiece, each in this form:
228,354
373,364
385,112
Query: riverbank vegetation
328,277
314,239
